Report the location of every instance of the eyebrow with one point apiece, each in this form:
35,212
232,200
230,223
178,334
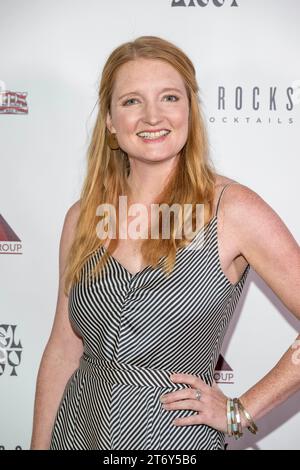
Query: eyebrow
137,92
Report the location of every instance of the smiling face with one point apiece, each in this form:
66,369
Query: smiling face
149,110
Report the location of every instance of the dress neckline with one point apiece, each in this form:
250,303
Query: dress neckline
133,275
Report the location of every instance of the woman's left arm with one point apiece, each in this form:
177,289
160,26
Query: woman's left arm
272,251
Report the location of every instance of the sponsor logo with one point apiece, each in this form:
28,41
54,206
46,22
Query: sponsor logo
10,350
10,243
12,102
223,372
203,3
254,104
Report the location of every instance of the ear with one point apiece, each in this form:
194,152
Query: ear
109,124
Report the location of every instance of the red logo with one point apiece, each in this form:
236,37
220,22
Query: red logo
9,240
223,372
12,102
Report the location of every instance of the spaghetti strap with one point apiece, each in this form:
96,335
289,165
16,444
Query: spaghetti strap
226,185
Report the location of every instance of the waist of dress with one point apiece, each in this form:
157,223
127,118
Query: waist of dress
115,372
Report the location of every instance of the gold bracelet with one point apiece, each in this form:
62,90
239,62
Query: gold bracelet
234,426
251,424
238,417
229,431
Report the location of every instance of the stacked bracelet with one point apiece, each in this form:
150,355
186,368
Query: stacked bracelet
250,423
234,427
234,424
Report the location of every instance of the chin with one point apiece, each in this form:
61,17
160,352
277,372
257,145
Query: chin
155,158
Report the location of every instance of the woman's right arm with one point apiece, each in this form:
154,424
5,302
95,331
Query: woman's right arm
62,352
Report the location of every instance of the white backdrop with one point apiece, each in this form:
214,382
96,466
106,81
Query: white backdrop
54,51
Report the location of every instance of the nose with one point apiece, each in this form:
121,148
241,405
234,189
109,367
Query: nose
152,113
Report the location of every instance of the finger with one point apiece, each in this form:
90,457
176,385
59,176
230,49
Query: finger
195,405
182,394
193,380
189,420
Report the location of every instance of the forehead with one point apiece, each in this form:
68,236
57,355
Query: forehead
147,73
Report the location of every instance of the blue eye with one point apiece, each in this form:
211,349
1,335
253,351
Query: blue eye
130,99
172,96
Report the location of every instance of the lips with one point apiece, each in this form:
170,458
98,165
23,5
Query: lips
154,135
149,131
154,140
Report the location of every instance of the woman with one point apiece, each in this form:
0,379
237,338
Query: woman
146,309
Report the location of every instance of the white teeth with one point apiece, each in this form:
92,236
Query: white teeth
153,135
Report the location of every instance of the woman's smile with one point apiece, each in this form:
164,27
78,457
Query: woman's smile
154,137
150,102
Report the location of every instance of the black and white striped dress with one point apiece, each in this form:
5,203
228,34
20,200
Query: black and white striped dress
137,330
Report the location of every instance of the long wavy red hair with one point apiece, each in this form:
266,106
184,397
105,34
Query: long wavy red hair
192,182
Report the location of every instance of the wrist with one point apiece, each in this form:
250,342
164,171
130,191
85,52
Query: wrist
234,424
238,418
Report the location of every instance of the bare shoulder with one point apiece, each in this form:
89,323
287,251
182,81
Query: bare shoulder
64,342
70,222
239,199
68,232
256,227
222,180
73,213
242,205
258,232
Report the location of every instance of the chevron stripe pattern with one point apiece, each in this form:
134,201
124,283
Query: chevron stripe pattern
137,330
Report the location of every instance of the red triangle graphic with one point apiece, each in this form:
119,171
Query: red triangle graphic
222,364
6,232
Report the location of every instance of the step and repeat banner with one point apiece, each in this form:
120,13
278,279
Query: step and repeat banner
246,54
